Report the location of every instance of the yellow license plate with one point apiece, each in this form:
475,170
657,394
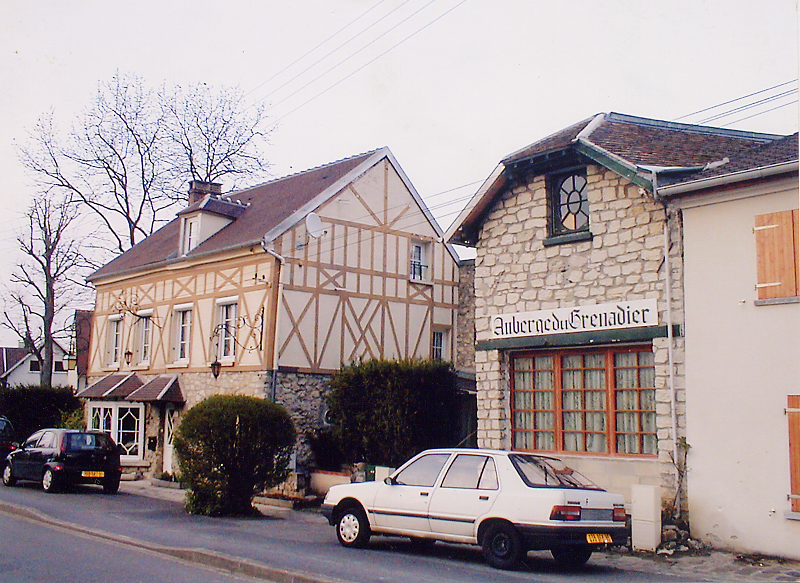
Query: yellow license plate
93,474
598,538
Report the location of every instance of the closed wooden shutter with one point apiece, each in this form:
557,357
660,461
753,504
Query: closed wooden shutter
776,254
793,413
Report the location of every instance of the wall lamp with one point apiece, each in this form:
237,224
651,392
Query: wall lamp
216,366
128,356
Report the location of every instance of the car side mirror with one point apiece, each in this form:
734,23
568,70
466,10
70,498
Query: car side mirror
389,482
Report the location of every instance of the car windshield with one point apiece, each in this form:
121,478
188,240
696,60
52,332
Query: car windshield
83,441
537,471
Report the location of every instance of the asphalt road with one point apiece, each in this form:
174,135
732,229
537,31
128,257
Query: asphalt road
284,541
33,552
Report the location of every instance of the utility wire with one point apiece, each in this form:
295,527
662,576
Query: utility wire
330,53
373,41
734,100
748,106
761,113
314,49
368,63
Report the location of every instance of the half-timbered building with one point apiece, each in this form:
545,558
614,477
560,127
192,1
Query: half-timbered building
266,291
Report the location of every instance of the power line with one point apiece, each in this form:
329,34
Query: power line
748,106
370,62
348,41
734,100
373,41
315,48
761,113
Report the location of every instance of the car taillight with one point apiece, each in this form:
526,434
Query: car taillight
565,513
619,514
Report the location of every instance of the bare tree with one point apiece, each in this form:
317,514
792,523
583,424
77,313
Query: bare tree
46,280
129,156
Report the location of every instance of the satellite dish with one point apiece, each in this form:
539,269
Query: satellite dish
314,225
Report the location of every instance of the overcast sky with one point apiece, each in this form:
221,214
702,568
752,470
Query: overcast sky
450,86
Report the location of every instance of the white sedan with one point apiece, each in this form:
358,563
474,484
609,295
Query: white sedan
507,502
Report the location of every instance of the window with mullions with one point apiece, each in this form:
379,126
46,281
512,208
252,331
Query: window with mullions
600,401
569,203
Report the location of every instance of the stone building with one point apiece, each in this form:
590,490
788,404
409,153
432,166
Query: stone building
579,297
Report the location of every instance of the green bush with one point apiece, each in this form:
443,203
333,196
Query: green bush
31,407
229,449
384,412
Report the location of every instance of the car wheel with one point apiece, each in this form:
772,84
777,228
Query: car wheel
571,557
352,528
111,486
49,481
502,546
8,476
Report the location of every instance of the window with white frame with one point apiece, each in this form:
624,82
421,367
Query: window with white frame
440,343
124,422
420,261
143,336
183,332
114,340
191,229
226,328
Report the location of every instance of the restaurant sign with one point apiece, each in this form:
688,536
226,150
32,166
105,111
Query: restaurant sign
633,314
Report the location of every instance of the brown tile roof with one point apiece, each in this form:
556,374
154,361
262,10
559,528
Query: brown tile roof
161,388
266,206
112,386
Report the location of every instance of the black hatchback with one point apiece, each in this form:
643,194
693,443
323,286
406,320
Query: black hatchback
59,457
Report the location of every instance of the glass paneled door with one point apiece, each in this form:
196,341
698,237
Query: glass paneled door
170,417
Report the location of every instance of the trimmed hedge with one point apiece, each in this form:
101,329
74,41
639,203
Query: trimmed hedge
31,407
384,412
230,448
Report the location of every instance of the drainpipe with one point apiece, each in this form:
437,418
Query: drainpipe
670,337
267,246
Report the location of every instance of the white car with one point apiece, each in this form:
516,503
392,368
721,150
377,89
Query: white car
507,502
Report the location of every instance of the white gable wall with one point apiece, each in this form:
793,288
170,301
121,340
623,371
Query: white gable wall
742,360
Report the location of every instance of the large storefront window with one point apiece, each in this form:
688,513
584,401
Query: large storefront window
123,421
594,401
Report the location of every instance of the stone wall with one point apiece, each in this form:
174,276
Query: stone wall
514,272
465,320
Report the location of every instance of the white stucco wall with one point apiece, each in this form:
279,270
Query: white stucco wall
742,360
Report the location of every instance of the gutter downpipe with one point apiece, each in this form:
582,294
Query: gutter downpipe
670,336
279,300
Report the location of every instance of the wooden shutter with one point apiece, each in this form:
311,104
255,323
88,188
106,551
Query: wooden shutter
776,254
793,412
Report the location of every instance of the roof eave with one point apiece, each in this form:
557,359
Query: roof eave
727,179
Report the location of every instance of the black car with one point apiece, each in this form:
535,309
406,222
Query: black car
6,438
59,457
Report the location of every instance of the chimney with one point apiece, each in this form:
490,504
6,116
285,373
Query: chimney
199,189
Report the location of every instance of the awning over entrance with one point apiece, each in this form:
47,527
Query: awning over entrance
112,386
164,388
119,386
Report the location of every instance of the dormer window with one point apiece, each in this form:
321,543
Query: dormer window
568,205
191,229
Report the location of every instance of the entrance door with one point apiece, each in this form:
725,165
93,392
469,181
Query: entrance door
169,428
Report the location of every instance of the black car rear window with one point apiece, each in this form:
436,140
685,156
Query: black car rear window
6,430
84,441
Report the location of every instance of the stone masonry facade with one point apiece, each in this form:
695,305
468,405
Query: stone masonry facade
624,260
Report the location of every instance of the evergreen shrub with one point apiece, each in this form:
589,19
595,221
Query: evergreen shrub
384,412
229,448
32,407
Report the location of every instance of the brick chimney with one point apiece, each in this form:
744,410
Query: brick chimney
198,189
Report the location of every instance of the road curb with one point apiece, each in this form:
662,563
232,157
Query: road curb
208,558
